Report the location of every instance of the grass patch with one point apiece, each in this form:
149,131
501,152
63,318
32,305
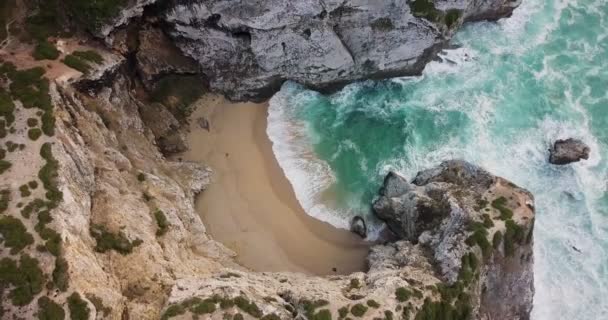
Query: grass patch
141,177
161,222
45,50
480,237
79,310
14,234
342,312
61,276
111,241
34,134
373,304
93,14
76,63
4,166
48,175
173,311
248,307
497,239
451,17
25,191
5,198
500,204
49,310
513,234
26,278
89,55
7,109
402,294
32,122
98,303
358,310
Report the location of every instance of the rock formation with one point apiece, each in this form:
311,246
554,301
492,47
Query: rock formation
467,217
358,226
103,226
568,151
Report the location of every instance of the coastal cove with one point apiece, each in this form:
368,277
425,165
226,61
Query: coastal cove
250,207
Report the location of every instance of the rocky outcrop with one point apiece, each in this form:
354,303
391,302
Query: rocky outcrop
457,210
568,151
247,49
358,226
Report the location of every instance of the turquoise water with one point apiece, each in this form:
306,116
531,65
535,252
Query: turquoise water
499,101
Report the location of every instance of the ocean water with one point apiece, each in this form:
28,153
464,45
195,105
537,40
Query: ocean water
499,101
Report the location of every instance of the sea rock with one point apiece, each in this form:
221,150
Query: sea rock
458,207
568,151
247,49
358,226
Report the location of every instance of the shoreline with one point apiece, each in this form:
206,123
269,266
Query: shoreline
251,207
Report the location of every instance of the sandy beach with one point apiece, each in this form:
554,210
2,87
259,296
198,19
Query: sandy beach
251,207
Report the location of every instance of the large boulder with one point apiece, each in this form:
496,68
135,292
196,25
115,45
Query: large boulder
358,226
568,151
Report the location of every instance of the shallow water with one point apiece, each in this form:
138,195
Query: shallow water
497,101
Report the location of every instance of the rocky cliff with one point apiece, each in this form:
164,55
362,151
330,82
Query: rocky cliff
95,223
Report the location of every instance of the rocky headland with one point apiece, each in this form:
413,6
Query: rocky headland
97,223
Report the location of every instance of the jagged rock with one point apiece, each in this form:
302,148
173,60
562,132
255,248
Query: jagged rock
441,207
248,49
568,151
358,226
157,56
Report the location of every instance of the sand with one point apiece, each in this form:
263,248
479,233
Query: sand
251,208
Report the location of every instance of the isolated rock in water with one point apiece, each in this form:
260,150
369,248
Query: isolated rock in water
471,223
568,151
358,226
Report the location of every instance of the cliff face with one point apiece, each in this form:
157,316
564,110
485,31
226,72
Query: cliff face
248,48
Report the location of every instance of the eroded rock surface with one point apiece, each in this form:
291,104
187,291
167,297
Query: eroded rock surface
248,48
568,151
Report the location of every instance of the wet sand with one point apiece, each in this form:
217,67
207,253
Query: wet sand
251,208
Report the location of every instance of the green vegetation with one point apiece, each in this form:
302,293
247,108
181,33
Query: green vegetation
487,221
354,284
4,166
248,307
343,312
61,275
34,133
452,16
25,191
500,205
7,109
79,310
49,310
15,234
403,294
161,222
5,198
204,307
373,304
238,316
111,241
497,239
271,316
6,10
32,122
32,89
33,184
178,92
93,14
514,234
480,237
89,55
76,63
322,315
98,303
45,50
141,177
48,175
173,311
388,315
358,310
26,278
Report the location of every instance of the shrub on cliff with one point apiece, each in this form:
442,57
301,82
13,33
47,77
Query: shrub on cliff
14,234
45,50
49,310
79,310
